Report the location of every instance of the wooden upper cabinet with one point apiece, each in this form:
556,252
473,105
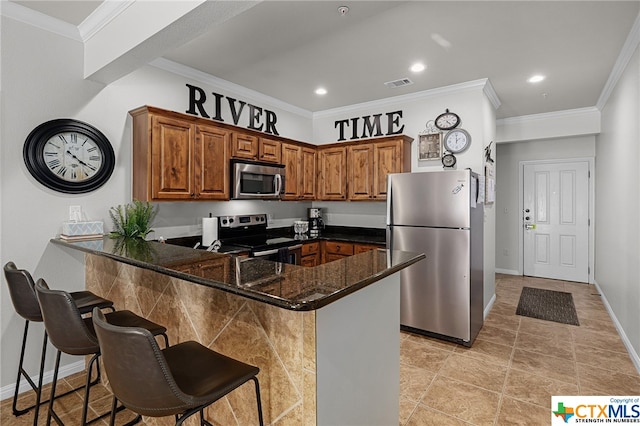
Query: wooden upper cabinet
171,158
360,171
269,150
369,164
176,159
308,174
244,146
300,172
332,170
290,160
212,163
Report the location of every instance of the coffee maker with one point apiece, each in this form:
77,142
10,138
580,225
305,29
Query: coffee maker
315,221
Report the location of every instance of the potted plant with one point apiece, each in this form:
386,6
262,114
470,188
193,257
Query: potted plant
132,220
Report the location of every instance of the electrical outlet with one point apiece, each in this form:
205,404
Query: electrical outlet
75,213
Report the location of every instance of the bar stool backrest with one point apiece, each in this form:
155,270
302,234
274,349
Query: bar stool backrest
23,294
65,326
138,372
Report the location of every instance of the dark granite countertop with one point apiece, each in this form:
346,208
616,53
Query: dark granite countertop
348,234
287,286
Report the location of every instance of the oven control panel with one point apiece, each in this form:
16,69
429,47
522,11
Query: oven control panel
242,221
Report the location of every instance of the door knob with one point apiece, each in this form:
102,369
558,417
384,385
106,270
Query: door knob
529,226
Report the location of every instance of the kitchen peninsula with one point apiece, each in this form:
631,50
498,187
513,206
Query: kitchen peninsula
326,338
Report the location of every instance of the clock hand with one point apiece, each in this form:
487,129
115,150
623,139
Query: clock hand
80,161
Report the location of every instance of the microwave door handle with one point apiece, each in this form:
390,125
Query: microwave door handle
278,184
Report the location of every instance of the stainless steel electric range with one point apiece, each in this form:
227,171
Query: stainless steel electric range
250,232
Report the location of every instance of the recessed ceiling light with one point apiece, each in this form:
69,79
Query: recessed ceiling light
417,67
321,91
536,78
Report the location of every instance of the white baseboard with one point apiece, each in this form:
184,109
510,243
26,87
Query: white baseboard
632,352
66,370
507,271
487,309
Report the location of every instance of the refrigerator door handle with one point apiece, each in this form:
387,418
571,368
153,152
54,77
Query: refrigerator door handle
389,201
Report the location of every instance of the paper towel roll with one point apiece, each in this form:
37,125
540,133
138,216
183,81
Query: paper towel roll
209,230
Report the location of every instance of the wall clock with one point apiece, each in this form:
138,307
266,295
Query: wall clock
447,120
69,156
448,160
457,140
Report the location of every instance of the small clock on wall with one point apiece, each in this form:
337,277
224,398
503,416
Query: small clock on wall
447,120
69,156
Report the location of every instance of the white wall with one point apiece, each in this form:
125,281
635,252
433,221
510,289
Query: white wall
45,81
509,155
617,269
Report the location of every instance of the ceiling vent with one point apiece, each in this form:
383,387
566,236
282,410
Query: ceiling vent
398,83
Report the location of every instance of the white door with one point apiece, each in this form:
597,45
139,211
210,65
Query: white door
556,220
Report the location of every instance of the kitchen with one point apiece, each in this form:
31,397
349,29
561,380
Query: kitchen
107,107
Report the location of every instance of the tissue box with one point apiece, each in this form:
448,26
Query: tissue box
74,229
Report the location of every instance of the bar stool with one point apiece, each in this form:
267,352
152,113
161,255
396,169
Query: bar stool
180,380
25,303
74,335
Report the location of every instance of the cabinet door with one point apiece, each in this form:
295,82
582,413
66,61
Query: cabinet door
212,163
333,168
291,160
269,150
360,172
172,144
244,146
308,174
387,159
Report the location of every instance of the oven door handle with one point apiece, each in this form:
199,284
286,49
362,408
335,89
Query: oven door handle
265,253
274,251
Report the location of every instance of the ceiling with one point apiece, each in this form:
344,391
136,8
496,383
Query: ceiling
286,49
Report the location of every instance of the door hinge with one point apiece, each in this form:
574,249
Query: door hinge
588,222
589,270
589,174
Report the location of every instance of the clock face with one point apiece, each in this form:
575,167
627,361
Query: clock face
72,156
69,156
457,140
447,120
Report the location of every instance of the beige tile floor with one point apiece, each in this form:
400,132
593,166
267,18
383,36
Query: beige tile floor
507,378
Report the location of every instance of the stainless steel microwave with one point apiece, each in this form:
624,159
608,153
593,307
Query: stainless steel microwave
252,180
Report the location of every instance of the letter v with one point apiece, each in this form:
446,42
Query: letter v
235,115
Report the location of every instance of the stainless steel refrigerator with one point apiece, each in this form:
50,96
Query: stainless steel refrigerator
437,213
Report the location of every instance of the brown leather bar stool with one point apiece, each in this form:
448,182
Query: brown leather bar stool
74,335
25,303
180,380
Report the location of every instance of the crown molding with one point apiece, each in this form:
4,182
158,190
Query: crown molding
40,20
547,115
101,16
491,94
439,91
628,49
202,77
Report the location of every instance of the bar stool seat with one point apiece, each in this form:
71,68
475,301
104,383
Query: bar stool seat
72,334
180,380
23,296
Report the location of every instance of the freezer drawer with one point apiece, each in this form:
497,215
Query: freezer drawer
435,292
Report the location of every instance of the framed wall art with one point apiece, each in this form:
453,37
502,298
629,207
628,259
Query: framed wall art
430,146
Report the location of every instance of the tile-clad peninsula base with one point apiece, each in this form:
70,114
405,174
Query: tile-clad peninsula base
280,342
